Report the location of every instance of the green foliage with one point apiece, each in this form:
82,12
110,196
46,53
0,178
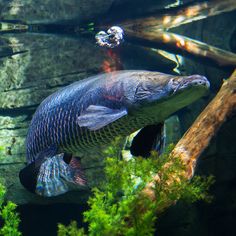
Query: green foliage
8,214
70,230
117,207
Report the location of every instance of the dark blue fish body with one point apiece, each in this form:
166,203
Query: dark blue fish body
91,112
56,120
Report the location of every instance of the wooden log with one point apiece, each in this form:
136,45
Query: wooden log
150,31
199,135
182,44
181,15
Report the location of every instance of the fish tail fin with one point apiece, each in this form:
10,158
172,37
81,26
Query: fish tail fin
57,177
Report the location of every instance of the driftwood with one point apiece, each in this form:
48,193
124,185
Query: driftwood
181,15
199,135
158,38
153,31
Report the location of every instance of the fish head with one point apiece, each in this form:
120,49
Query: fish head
158,87
181,83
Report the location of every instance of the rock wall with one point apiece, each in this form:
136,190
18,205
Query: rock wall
51,11
39,65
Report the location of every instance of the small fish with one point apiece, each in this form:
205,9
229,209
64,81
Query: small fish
90,113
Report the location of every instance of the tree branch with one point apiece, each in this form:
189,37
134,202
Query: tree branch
159,38
181,15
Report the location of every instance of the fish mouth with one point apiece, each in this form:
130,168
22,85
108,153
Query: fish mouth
185,82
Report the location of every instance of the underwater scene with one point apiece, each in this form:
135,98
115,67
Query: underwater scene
117,117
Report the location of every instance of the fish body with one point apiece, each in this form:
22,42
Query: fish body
90,113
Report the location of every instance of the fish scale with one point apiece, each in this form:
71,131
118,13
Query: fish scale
63,135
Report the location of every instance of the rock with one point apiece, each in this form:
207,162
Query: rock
51,11
47,63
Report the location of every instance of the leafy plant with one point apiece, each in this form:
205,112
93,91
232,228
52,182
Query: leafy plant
9,216
118,206
70,230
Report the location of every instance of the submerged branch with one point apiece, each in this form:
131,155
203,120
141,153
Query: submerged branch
157,38
182,15
199,135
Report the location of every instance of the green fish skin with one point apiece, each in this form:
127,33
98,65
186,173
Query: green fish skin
90,113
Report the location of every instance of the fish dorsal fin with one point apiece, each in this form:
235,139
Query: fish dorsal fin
96,117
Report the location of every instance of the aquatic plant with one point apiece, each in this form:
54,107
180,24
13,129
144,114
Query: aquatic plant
9,216
117,206
70,230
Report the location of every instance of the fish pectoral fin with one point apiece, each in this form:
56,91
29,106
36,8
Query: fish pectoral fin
57,177
96,117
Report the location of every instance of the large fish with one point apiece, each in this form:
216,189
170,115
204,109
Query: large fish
91,112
